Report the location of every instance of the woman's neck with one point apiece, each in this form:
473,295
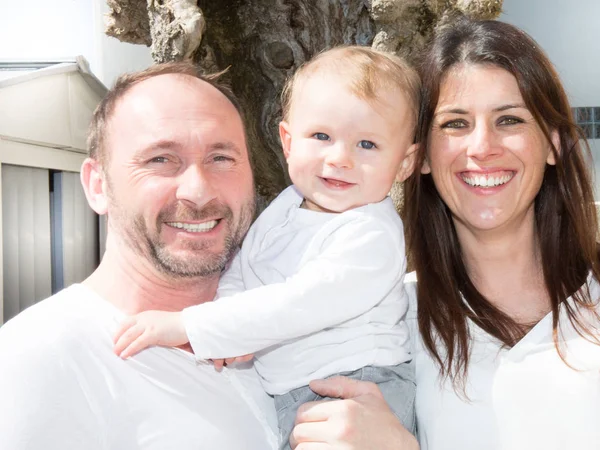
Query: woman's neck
505,266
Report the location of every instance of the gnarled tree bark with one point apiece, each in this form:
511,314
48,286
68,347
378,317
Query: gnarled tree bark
264,41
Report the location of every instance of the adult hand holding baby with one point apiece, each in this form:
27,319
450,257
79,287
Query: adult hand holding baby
360,420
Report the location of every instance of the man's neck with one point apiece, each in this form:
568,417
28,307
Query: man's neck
133,285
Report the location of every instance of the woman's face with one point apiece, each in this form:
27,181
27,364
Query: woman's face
487,154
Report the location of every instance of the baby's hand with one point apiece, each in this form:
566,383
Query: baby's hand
219,363
149,328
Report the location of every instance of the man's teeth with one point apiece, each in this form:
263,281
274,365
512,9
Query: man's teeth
194,227
486,180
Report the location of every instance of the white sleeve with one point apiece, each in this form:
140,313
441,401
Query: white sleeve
358,266
41,402
231,282
410,286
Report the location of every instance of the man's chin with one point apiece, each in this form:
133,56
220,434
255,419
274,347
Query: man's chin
189,264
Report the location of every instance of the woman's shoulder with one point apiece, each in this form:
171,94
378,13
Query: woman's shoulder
589,292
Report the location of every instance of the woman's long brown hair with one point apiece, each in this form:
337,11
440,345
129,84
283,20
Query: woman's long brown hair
565,214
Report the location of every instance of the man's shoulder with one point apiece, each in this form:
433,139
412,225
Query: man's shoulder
58,321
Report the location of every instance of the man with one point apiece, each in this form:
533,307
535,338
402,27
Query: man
169,166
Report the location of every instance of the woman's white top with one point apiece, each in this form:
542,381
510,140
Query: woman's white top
523,397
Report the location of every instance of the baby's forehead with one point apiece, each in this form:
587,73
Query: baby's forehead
382,79
380,95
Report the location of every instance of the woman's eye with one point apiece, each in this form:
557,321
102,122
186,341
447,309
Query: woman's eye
222,158
367,145
321,136
454,124
510,121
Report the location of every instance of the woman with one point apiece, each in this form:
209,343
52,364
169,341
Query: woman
501,227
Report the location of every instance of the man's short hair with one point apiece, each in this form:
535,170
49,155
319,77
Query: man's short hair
98,126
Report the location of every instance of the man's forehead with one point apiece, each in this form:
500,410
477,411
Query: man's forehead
175,81
192,113
173,91
176,96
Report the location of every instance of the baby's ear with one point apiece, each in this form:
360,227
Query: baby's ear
408,164
286,138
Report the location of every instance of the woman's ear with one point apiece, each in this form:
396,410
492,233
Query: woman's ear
425,168
286,138
94,185
556,142
408,164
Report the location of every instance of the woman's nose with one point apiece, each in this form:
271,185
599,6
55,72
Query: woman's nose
483,143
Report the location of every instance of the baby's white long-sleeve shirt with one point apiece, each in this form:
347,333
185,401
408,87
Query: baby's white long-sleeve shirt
311,294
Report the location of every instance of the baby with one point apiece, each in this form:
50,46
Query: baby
317,287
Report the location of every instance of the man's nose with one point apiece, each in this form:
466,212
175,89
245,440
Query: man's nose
483,143
340,156
194,186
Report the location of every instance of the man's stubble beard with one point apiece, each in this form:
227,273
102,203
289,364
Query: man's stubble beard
135,234
209,264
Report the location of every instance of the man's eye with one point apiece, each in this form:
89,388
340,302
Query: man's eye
159,160
367,145
321,136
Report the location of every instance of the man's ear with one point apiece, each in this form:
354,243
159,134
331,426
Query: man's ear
556,142
408,164
286,138
94,185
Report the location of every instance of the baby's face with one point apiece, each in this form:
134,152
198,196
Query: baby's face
343,151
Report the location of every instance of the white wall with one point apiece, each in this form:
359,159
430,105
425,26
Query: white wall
567,31
42,29
116,57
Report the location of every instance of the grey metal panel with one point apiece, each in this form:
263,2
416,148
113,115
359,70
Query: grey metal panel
26,237
79,231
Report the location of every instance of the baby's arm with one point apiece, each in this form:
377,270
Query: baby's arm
359,265
149,328
158,328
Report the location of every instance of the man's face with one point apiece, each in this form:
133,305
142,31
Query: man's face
179,181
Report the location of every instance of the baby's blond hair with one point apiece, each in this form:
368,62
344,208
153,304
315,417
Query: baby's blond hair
366,72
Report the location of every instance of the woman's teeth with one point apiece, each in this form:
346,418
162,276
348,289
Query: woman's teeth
486,180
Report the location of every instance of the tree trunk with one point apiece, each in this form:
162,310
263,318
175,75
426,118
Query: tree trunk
262,42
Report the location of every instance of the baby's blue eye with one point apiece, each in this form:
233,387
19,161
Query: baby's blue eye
367,145
321,136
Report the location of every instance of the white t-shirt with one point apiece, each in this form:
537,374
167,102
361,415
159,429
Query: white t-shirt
62,387
520,398
314,293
